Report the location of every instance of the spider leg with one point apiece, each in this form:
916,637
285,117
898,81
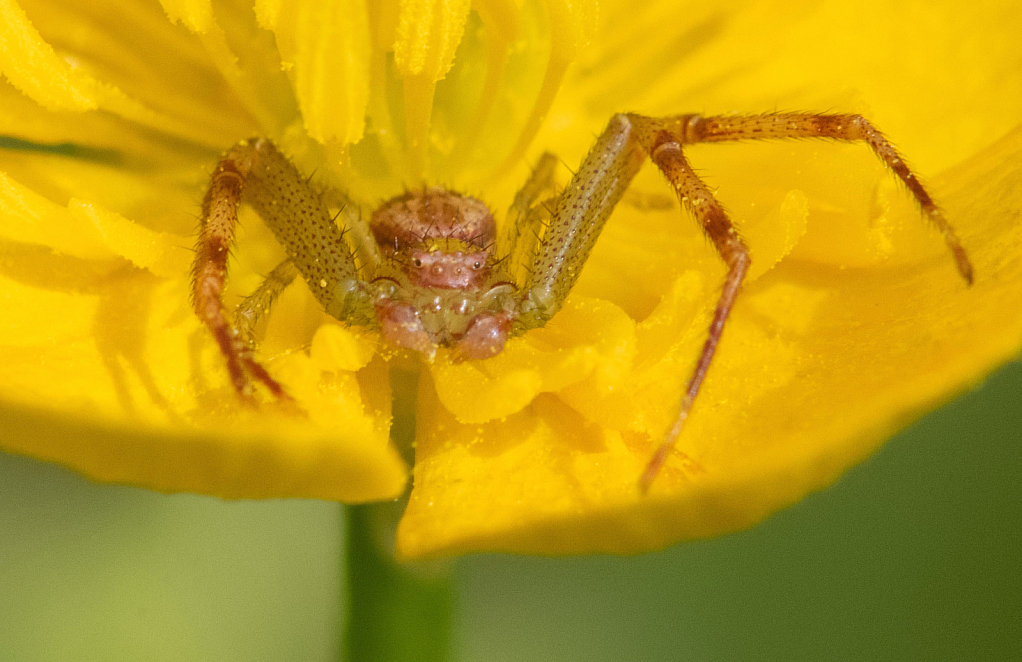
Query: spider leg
256,173
664,149
209,271
527,217
580,214
583,209
603,178
301,222
255,305
698,129
662,140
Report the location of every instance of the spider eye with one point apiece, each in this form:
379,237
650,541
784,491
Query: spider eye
417,262
476,265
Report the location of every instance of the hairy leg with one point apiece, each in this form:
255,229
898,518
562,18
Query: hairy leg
662,139
209,271
664,149
582,210
255,172
527,217
699,129
256,305
605,173
587,203
301,222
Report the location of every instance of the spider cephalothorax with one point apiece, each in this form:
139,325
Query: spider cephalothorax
438,283
438,274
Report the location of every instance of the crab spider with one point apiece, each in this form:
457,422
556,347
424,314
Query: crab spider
437,274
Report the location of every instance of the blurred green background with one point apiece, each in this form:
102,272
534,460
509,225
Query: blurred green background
914,555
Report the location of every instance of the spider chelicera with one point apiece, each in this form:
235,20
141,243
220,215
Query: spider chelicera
438,275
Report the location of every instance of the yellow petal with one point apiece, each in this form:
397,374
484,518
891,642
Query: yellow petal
32,66
427,34
31,218
587,338
325,49
161,253
572,25
133,391
88,137
79,58
247,61
341,348
196,14
501,16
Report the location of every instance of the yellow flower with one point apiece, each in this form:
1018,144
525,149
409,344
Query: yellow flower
852,322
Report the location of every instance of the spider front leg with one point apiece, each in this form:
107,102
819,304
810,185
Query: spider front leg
583,209
255,172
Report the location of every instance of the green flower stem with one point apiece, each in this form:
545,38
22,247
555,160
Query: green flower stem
396,611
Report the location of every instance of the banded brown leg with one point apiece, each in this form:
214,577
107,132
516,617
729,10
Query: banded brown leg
664,149
699,129
663,139
209,270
